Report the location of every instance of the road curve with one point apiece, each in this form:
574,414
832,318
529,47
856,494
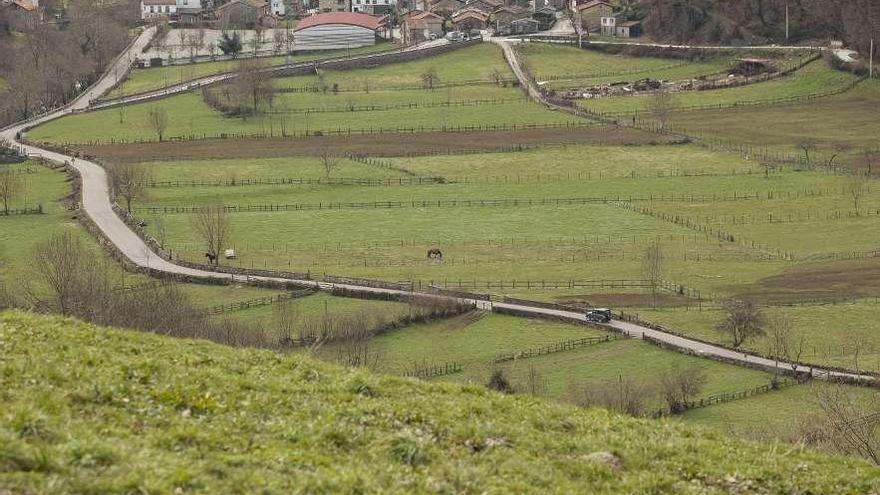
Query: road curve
96,203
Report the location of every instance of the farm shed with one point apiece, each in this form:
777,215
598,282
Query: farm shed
335,30
629,29
524,26
546,17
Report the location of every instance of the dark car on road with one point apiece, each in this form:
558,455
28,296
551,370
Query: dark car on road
599,315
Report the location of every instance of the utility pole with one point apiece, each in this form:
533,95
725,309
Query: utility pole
786,21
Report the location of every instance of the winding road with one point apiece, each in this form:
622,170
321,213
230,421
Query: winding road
96,203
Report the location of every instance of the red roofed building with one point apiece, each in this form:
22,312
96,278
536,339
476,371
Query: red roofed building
591,13
334,30
416,27
24,13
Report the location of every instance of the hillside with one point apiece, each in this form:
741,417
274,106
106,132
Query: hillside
94,410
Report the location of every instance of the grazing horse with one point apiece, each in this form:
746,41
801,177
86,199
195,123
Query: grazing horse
212,258
435,253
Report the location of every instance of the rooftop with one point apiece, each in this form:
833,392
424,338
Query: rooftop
348,18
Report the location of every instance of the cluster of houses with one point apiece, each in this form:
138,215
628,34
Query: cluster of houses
417,20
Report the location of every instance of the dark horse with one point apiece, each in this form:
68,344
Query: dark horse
435,253
212,259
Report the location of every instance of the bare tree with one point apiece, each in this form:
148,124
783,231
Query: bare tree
838,150
536,384
329,161
845,425
624,395
857,186
807,145
652,267
128,180
496,76
783,343
743,321
285,319
279,40
157,117
10,187
680,387
868,159
76,285
212,225
661,105
430,78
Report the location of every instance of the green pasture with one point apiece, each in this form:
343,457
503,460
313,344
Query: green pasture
316,307
233,170
816,77
777,415
143,80
188,115
474,63
454,96
844,124
843,334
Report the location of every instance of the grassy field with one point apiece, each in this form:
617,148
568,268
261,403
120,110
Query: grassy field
817,77
69,425
143,80
787,411
568,66
844,334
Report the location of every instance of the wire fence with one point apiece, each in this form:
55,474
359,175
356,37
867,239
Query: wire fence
724,397
566,345
353,107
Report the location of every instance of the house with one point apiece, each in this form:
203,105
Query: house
375,7
22,14
608,25
591,14
241,13
443,8
503,16
158,9
546,17
629,29
334,6
335,30
417,26
486,6
524,26
469,19
277,8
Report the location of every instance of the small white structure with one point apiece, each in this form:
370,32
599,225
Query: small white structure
372,6
336,30
165,9
229,254
276,7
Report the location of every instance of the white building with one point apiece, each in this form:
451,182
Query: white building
276,7
372,6
165,9
336,30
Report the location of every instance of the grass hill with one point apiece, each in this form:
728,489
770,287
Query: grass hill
97,410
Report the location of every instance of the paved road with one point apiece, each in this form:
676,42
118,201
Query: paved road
97,205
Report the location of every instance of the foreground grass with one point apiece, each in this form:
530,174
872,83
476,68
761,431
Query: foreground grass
100,410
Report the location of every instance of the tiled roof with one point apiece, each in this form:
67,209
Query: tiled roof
349,18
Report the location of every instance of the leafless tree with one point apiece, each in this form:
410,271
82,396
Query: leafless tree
868,160
279,40
661,105
285,319
366,85
807,145
253,87
652,267
680,387
430,78
844,425
837,150
536,383
784,345
157,117
743,321
128,181
857,186
212,225
625,395
496,76
329,161
10,187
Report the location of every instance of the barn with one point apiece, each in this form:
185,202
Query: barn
334,30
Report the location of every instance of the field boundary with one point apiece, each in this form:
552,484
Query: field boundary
565,345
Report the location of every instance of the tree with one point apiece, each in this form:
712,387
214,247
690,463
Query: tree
661,105
329,161
128,180
783,345
230,45
625,395
285,318
10,187
807,145
652,267
279,40
536,384
76,285
681,386
743,321
430,78
845,424
856,187
212,225
496,76
157,118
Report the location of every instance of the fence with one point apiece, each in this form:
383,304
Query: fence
731,396
430,371
351,107
282,132
37,210
566,345
314,88
256,303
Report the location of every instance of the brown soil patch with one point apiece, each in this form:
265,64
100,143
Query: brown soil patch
625,300
827,281
374,145
464,320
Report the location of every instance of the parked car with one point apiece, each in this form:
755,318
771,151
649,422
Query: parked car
599,315
455,36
